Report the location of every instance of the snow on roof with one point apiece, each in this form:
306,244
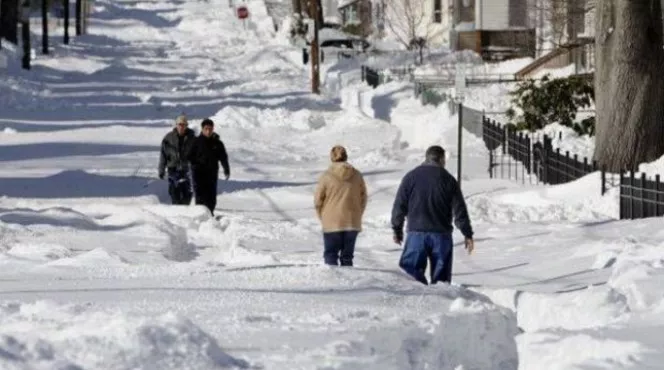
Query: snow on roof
465,26
343,3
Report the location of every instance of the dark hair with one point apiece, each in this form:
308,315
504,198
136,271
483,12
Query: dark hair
207,122
435,153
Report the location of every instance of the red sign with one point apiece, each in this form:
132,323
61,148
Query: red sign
242,12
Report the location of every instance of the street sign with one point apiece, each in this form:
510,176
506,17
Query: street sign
242,12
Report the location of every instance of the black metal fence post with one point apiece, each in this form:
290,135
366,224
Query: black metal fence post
79,16
643,187
631,195
603,182
658,191
460,143
25,36
621,208
44,15
66,21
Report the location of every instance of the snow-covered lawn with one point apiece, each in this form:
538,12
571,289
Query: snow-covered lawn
97,271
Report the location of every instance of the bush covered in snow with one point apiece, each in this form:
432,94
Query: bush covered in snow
536,104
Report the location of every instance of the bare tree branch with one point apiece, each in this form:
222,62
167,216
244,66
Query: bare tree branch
407,19
559,21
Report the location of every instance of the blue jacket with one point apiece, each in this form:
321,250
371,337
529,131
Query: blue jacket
429,197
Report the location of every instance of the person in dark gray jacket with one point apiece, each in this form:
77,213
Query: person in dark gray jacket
175,149
430,197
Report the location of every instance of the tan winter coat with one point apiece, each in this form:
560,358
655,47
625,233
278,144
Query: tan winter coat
341,198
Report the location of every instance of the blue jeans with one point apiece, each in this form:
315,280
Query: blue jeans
179,186
339,247
423,247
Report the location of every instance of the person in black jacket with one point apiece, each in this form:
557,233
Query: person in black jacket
429,197
205,155
174,151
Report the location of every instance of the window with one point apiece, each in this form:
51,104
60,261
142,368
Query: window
352,16
437,11
518,13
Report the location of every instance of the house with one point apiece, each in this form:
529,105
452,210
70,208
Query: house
496,29
439,25
386,18
356,16
331,11
565,36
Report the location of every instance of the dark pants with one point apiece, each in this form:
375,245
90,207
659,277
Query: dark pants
179,186
339,246
205,188
423,247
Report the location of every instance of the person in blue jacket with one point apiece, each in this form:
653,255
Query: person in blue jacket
429,197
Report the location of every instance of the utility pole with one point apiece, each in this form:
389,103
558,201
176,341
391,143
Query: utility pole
66,15
315,50
1,28
44,11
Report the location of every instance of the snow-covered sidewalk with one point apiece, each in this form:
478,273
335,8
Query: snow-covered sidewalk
97,271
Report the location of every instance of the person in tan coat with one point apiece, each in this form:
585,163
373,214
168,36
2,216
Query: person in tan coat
340,201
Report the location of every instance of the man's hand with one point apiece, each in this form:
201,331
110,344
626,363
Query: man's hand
227,175
161,175
397,237
470,245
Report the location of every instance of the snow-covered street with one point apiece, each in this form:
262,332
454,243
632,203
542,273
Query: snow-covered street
98,271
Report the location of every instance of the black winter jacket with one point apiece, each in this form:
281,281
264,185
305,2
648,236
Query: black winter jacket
429,197
206,154
175,150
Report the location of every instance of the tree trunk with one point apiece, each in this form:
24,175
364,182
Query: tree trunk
629,85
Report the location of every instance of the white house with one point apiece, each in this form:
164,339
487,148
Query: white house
331,11
440,13
496,29
432,18
490,15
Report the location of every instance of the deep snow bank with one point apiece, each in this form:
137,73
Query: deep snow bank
45,335
394,102
471,335
575,201
616,324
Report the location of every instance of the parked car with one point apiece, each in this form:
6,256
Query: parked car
329,37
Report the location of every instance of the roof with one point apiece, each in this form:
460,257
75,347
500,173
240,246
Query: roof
345,3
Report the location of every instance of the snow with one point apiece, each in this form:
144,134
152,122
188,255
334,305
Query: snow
78,336
97,270
465,26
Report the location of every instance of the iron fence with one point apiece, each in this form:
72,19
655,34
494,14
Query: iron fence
641,197
519,156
